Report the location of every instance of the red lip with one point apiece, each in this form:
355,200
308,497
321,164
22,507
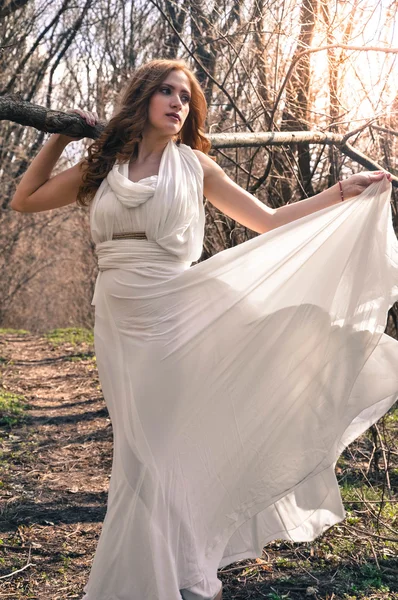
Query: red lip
174,115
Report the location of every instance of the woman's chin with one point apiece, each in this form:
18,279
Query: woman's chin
168,131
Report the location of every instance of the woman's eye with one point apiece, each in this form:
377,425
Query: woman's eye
184,98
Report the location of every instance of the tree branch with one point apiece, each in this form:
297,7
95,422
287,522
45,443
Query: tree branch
53,121
385,130
19,111
281,138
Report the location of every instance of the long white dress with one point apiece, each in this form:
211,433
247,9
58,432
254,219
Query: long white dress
233,385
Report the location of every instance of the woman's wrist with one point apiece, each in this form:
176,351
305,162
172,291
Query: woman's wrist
342,190
60,140
332,195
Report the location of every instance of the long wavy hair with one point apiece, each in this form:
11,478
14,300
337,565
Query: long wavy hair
121,136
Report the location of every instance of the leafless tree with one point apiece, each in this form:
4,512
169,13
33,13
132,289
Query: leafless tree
264,66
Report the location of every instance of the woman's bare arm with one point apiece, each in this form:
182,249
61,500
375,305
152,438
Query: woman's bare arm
37,190
243,207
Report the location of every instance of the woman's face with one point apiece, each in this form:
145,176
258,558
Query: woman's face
171,97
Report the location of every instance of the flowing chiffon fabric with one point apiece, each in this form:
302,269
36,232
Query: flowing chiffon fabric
234,384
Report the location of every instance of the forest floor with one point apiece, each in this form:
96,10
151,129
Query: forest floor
56,455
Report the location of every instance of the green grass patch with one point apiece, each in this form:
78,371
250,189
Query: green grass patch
70,335
342,548
371,578
361,582
358,490
286,563
12,408
14,331
391,418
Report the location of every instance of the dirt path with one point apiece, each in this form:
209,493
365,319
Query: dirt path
56,468
54,478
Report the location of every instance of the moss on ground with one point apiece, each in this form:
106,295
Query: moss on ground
12,408
70,335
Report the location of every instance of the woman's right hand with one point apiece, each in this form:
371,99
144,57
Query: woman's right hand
357,183
90,118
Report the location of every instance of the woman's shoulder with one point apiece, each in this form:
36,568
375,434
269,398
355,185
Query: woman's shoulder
207,163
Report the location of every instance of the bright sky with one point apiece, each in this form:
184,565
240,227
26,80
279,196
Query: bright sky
369,78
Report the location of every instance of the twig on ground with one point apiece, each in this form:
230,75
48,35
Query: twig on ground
369,533
28,564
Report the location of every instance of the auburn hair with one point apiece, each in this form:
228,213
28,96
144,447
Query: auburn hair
122,134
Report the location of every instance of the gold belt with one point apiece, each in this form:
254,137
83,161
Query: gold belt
139,235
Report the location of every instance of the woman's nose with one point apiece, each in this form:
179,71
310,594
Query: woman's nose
176,101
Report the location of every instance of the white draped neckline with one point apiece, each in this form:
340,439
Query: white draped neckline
130,193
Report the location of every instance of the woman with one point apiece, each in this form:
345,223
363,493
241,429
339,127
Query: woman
233,385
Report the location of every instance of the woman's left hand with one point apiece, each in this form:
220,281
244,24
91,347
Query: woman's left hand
354,185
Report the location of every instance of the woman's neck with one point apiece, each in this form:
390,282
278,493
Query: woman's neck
150,149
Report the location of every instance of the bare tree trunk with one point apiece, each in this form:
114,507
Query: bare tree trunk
203,47
177,18
295,115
